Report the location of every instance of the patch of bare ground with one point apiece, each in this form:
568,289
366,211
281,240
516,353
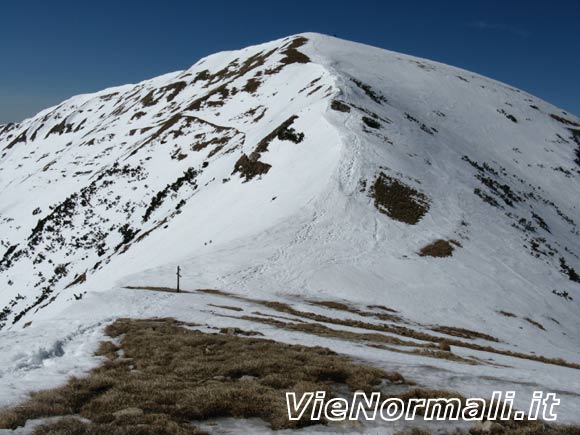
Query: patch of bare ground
226,75
221,92
291,55
430,353
339,306
169,91
439,248
170,376
507,314
250,166
536,324
325,331
398,200
253,113
273,316
431,350
381,307
227,307
394,329
238,331
463,333
252,85
310,85
235,70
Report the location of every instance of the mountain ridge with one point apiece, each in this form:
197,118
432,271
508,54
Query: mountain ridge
342,160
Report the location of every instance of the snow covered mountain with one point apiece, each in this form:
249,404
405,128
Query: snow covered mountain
307,167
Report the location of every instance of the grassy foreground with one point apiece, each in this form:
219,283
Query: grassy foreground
161,377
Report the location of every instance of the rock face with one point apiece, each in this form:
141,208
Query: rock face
304,165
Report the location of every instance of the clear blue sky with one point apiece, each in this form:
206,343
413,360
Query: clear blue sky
50,50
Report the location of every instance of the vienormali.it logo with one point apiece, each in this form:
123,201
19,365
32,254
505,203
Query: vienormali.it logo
370,407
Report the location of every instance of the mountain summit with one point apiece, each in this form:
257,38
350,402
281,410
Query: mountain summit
304,167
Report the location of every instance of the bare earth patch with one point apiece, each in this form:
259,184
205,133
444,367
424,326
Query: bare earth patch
398,200
439,248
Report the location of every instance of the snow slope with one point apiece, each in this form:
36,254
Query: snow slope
307,167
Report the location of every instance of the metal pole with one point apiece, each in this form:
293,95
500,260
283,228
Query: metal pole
178,276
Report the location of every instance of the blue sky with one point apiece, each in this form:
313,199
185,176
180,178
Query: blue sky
50,51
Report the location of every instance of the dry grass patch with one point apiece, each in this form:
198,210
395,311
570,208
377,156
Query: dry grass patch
324,331
226,307
339,306
252,85
463,333
536,324
430,353
394,329
381,307
439,248
291,55
250,166
398,200
169,376
238,331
